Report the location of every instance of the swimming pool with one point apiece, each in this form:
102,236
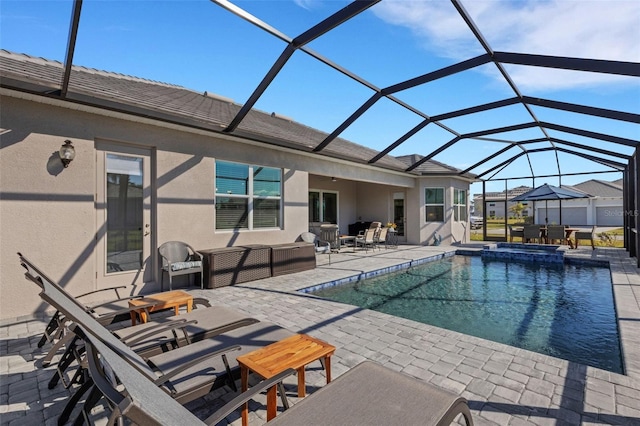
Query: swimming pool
565,311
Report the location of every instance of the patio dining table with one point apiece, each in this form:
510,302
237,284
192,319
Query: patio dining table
567,235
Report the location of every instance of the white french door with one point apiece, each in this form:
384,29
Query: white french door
123,207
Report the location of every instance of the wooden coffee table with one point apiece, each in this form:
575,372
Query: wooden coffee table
170,299
293,352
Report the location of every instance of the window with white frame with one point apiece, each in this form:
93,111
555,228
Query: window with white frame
459,205
248,196
434,204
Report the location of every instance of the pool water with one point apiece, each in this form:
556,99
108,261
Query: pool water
566,311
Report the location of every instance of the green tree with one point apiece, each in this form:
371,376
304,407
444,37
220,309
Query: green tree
517,209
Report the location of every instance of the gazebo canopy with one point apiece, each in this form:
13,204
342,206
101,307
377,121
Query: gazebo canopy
549,192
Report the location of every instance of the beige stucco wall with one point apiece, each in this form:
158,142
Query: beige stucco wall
450,231
375,202
49,213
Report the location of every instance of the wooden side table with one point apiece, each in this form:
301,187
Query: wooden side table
293,352
170,299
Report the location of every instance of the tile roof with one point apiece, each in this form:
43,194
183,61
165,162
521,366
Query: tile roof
500,195
600,188
430,167
180,105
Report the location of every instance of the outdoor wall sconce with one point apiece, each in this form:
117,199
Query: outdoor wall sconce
333,179
67,153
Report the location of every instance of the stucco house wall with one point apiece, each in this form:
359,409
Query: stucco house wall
50,213
450,231
375,202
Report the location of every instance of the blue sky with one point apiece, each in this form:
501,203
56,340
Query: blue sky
200,45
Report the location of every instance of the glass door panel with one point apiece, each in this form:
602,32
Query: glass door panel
123,215
398,212
125,223
330,207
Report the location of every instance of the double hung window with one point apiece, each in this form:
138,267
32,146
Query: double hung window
248,196
434,204
459,205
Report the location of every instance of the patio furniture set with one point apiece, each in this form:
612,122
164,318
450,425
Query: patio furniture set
234,265
145,373
373,236
551,234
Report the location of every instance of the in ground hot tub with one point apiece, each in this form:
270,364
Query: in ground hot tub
525,252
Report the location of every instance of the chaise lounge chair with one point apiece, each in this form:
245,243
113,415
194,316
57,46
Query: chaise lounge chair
367,394
185,373
147,339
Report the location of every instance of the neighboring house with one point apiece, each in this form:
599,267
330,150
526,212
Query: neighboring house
602,207
153,163
497,204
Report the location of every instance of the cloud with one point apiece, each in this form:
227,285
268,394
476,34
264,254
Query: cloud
595,29
306,4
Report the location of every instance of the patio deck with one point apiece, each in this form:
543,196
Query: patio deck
504,385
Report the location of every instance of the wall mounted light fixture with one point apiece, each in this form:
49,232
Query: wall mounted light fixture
67,153
333,179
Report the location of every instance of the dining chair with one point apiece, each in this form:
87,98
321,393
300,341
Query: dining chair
555,233
586,235
381,237
531,233
515,233
367,239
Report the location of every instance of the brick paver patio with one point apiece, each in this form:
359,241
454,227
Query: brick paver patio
504,385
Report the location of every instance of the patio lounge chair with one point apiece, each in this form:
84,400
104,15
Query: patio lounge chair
368,239
390,397
109,312
54,328
194,326
185,373
179,258
381,238
586,235
150,338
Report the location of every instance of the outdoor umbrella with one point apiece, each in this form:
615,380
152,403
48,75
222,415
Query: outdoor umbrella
548,192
